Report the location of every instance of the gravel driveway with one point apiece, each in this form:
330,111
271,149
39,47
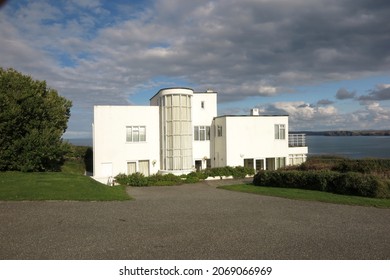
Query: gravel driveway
195,221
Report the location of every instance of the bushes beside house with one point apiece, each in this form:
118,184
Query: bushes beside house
237,172
138,179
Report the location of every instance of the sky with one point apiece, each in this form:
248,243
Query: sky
325,63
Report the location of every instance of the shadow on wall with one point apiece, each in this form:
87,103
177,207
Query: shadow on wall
88,161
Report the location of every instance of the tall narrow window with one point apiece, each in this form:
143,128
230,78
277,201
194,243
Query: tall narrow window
280,131
202,104
202,132
196,133
219,130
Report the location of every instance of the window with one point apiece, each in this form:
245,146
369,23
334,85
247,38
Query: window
219,130
280,131
202,104
201,133
280,162
131,168
135,133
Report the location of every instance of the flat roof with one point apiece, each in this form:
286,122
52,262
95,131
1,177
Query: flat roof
232,116
170,88
195,92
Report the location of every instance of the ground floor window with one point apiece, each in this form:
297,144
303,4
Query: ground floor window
275,163
280,162
256,164
131,167
141,166
144,167
297,159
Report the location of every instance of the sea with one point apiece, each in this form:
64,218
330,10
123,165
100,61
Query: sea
354,147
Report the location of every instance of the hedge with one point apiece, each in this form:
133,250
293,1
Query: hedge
350,183
138,179
236,172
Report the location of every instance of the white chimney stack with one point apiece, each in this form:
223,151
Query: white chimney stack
255,112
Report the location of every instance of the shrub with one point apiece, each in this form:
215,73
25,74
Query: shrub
137,180
353,183
236,172
241,172
121,179
192,179
350,183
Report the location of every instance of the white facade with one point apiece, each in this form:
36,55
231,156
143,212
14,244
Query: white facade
243,140
204,110
180,132
118,147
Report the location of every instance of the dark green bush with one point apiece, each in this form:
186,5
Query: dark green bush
241,172
137,180
192,179
236,172
121,179
353,183
342,183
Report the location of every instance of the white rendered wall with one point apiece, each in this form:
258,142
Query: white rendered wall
204,109
112,151
218,150
250,137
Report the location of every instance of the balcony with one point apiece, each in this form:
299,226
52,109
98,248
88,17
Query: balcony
297,140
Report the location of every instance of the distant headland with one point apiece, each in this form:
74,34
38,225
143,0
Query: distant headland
346,132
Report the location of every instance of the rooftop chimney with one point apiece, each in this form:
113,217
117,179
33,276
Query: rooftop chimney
255,112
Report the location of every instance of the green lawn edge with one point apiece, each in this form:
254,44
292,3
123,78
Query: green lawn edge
40,186
308,195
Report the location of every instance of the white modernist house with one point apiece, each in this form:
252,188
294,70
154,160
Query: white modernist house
180,132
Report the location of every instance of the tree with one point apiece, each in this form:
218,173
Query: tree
33,119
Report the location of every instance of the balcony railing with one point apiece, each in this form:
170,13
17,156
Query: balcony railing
297,140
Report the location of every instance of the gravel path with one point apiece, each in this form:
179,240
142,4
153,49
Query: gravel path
196,221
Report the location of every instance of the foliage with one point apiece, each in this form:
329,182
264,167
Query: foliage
378,167
350,183
138,179
79,155
164,180
236,172
366,166
33,119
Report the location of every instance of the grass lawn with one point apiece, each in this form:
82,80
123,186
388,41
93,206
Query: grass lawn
310,195
56,186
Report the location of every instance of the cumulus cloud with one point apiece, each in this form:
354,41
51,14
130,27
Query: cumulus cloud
382,92
324,102
304,116
99,52
342,94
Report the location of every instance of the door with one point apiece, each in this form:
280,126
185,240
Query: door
198,165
